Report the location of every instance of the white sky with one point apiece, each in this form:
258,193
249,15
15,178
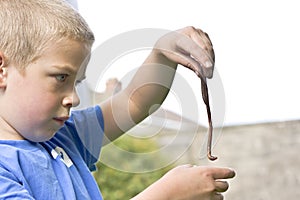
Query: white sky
256,44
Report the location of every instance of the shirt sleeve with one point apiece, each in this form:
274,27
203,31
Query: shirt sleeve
11,188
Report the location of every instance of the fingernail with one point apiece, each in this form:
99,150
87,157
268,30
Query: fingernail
208,64
232,173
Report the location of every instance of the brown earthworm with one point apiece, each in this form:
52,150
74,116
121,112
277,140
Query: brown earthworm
205,97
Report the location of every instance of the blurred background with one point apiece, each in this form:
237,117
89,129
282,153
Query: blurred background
256,45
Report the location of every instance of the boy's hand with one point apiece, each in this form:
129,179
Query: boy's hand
187,182
198,182
189,47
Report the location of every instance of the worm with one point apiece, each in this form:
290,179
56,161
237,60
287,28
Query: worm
205,98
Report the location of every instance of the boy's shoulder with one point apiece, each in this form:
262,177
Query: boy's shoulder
23,164
16,154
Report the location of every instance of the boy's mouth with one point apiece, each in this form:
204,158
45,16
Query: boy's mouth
61,120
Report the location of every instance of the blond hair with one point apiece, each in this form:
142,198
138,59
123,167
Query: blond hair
28,26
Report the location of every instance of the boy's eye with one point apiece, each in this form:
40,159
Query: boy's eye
61,77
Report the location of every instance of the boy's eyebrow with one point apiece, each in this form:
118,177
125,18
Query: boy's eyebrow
66,68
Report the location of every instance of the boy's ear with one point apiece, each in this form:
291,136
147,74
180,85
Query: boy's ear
3,71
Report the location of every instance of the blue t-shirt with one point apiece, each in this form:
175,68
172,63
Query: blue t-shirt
56,169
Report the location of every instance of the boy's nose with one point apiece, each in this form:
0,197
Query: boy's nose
71,100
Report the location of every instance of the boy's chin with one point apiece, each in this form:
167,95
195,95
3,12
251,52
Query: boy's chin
40,138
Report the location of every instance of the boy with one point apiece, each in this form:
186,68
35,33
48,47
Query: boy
45,153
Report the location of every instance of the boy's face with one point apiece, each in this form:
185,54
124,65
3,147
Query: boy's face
38,99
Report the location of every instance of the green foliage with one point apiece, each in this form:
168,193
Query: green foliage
118,184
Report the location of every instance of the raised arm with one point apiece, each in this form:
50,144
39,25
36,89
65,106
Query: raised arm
150,85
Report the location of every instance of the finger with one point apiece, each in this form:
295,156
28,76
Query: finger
185,60
222,173
190,30
218,196
203,40
207,36
213,53
202,37
221,186
208,45
198,57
